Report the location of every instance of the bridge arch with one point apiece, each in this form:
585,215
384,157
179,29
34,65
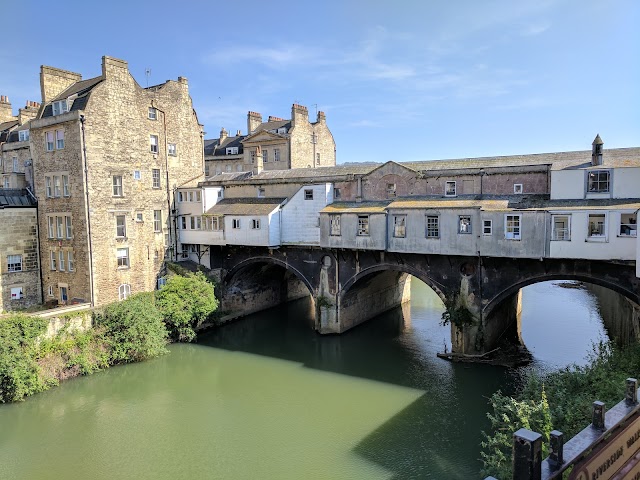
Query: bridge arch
515,287
440,289
255,261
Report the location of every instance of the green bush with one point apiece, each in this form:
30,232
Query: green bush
133,329
186,302
570,393
19,372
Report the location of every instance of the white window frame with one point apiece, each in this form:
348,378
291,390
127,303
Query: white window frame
68,225
391,190
447,190
118,188
308,194
137,175
363,226
399,226
122,257
14,263
66,192
235,223
255,224
232,151
17,293
124,291
53,260
52,226
512,231
487,227
59,139
334,225
23,135
265,156
603,235
56,186
172,149
631,226
518,189
561,234
276,154
153,143
155,178
157,221
48,186
61,262
468,226
59,107
49,141
70,260
121,226
152,113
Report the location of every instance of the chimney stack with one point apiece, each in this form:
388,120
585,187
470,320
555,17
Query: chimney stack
29,112
223,136
254,120
258,166
299,114
6,114
54,81
322,118
239,133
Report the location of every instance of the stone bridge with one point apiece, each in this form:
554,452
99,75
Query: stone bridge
349,286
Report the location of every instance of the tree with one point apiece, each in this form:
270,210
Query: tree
186,302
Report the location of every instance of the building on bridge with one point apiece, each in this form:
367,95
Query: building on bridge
455,224
281,143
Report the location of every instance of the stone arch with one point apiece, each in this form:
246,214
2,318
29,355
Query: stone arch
512,289
440,289
254,261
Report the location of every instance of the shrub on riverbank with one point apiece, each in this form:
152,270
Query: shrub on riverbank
19,372
186,302
570,393
133,330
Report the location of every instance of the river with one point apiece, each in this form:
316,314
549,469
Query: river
267,398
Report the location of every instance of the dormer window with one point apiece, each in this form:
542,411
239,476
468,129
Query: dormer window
598,181
23,135
232,150
59,107
282,130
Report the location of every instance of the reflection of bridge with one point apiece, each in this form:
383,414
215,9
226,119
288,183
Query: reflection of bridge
350,287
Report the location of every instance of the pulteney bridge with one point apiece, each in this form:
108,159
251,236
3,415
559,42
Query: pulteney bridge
350,286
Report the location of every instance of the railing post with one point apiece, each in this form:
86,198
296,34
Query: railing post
556,453
597,418
631,394
527,455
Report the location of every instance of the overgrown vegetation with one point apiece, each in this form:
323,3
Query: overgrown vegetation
128,331
186,302
456,313
559,400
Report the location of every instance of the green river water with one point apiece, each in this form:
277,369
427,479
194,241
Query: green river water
268,398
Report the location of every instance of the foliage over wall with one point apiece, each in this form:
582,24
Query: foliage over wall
560,400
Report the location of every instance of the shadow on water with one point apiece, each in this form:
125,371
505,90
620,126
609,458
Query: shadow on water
438,435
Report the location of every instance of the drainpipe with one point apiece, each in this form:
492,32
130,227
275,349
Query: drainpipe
38,257
86,191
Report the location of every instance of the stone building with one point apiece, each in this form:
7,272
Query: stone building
19,272
15,155
277,144
107,156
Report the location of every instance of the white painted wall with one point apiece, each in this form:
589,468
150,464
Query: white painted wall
567,184
638,256
626,182
186,207
245,235
611,247
275,223
211,196
300,217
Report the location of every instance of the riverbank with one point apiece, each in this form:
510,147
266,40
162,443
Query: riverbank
36,355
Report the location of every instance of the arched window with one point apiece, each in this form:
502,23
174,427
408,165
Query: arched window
124,291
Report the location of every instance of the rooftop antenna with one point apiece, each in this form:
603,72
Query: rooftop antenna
147,73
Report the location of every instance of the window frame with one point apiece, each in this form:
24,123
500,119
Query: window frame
308,193
255,224
152,113
598,181
16,264
172,149
363,226
70,266
155,178
391,190
335,228
23,135
447,184
518,189
603,235
49,141
153,143
400,226
513,231
276,154
122,261
117,186
554,231
464,231
157,221
59,139
632,225
121,226
430,229
235,223
124,291
66,191
487,223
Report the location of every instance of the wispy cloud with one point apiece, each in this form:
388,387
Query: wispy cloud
536,29
364,123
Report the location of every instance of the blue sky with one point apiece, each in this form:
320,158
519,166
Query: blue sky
404,80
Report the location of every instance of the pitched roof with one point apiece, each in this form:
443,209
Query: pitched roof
215,148
10,197
245,206
353,207
82,89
